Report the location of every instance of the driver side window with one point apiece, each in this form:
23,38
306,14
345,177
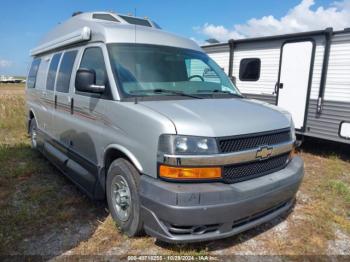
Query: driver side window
93,60
197,70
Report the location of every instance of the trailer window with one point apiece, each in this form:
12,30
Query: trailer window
33,72
51,76
249,69
64,74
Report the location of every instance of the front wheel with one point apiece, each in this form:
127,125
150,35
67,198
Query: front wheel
123,196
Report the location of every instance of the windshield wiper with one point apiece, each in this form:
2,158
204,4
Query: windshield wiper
217,91
161,90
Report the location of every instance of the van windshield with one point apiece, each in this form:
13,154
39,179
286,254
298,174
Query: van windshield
143,69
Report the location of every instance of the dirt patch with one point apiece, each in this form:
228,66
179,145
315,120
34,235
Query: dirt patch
57,241
340,245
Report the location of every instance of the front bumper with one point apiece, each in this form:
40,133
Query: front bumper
180,212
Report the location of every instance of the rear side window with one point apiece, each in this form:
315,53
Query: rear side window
249,69
64,74
40,82
93,60
33,72
51,76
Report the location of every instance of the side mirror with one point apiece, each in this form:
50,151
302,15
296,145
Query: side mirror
233,79
85,81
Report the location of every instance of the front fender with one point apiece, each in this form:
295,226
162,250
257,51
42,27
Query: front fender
126,152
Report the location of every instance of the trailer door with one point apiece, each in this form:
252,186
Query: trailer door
294,79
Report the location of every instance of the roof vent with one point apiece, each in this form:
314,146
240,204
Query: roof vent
136,21
106,17
77,13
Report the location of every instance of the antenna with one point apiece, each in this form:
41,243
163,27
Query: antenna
135,25
136,100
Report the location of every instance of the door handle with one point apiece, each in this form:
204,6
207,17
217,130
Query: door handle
72,106
277,86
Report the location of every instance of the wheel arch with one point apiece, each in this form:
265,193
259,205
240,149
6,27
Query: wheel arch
111,153
31,116
115,151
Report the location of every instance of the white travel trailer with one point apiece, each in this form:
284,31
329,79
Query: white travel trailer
306,73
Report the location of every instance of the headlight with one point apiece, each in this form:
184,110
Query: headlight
186,145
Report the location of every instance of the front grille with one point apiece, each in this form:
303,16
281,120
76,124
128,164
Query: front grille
246,142
241,172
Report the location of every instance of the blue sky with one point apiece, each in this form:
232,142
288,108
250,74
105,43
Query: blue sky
23,23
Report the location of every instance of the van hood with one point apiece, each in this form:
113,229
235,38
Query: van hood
220,117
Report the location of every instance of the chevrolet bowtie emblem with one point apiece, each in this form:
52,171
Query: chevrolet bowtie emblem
264,152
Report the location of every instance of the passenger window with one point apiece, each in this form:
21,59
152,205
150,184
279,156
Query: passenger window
33,72
64,74
93,60
197,70
40,82
249,69
51,76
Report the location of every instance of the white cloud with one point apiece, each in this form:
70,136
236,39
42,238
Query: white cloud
5,63
218,32
300,18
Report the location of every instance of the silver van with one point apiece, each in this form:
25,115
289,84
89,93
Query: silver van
147,120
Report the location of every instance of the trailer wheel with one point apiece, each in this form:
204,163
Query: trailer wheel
33,134
123,199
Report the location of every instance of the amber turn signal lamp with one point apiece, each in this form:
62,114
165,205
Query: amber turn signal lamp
189,172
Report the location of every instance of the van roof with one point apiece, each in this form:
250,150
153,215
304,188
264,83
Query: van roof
109,27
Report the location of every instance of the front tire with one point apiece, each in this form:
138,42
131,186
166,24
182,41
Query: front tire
122,191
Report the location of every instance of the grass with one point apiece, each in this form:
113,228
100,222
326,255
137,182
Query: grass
341,189
34,197
12,119
36,200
